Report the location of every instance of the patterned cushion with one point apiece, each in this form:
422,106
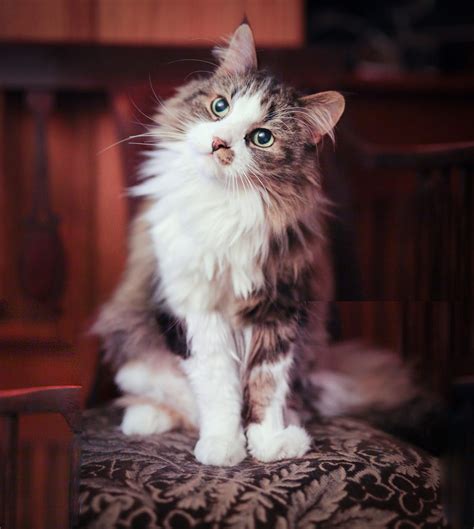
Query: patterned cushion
354,477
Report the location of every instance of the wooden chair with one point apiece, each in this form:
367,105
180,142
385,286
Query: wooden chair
442,205
440,208
64,400
437,290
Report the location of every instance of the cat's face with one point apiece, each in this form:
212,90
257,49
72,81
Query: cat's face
244,129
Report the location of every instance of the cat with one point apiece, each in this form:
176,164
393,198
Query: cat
229,274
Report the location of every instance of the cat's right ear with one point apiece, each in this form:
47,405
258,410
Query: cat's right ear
240,54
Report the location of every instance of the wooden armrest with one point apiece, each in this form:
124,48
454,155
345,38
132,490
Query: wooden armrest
459,460
44,399
420,156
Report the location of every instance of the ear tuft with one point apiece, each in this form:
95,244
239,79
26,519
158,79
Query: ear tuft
240,55
325,108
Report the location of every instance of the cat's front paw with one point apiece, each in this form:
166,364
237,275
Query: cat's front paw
267,445
219,450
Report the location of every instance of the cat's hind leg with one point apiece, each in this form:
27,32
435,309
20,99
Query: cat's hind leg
146,417
157,396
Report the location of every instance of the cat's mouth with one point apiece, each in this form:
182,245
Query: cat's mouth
224,156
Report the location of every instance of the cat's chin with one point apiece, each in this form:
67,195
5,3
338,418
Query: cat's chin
211,170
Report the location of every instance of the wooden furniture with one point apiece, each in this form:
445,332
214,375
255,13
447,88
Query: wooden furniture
436,266
434,253
48,399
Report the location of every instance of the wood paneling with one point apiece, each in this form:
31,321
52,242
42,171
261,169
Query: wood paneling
47,20
176,22
277,22
110,204
83,197
43,475
166,21
3,208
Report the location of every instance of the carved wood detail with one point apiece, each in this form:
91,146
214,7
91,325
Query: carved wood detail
42,262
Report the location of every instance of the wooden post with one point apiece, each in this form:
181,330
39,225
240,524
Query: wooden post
9,455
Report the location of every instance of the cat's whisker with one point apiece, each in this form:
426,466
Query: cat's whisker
250,187
215,65
234,186
158,135
159,100
141,143
153,120
196,72
255,172
128,138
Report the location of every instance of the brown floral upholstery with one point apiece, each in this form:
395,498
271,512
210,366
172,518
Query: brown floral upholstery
354,477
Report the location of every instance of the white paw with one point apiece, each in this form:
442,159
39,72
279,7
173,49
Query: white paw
221,450
145,419
267,445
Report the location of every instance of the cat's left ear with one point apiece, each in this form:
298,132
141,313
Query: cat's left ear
240,54
325,110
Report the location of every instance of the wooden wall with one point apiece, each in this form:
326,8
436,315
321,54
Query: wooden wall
161,22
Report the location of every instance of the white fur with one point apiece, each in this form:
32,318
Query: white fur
267,445
207,231
210,238
244,115
145,419
161,379
271,440
214,377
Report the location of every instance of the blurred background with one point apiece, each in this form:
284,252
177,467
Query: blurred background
77,76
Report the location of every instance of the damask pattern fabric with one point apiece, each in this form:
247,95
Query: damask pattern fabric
355,477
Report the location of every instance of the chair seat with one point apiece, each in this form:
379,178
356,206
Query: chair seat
354,477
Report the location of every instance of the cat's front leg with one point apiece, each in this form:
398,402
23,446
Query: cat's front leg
269,438
213,373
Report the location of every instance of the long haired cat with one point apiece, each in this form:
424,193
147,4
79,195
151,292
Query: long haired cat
228,272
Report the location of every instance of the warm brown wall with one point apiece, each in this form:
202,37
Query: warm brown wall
87,197
164,22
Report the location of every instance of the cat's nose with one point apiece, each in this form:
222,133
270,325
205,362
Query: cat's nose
218,143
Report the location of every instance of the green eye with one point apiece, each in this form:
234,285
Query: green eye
220,107
262,138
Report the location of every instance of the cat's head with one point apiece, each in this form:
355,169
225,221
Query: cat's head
244,129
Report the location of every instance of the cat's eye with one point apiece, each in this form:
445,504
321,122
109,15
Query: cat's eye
220,107
262,138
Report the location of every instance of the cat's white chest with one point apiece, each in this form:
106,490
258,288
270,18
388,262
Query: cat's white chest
208,246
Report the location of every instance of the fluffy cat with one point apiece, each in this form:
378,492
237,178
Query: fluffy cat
228,272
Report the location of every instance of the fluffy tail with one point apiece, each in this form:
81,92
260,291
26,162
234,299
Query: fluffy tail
377,385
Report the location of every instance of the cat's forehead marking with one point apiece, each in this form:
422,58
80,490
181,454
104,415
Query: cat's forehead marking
246,108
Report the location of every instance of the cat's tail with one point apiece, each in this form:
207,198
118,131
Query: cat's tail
377,385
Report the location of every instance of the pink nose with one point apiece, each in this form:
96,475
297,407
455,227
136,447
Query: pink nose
217,144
